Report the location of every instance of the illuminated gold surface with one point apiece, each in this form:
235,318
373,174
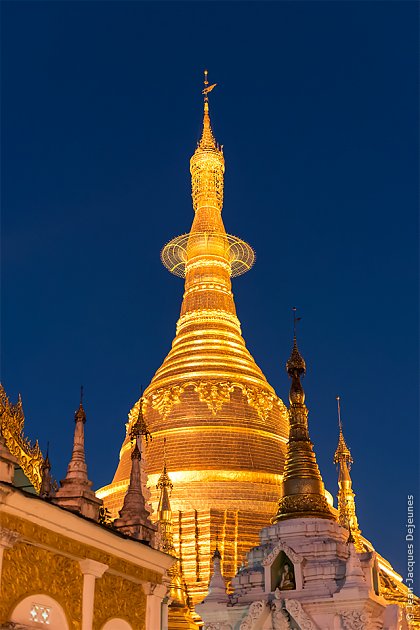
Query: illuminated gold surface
39,536
346,504
179,614
29,456
210,396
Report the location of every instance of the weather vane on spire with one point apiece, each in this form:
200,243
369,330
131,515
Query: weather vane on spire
207,88
339,412
295,321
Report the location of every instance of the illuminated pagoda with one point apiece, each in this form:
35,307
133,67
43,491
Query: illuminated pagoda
312,569
227,427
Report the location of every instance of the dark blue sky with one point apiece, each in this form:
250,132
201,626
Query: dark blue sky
316,106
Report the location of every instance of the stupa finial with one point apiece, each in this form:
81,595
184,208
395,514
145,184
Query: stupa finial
76,492
296,363
343,452
303,488
346,504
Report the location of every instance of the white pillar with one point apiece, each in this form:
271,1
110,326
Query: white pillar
154,594
8,537
91,570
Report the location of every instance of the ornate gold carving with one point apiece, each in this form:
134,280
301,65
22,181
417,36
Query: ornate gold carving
28,455
40,535
260,400
164,399
28,569
303,505
117,597
214,394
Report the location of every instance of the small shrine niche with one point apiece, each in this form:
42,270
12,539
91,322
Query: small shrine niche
282,573
282,570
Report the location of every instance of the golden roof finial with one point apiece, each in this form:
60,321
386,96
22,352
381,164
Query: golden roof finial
303,488
295,361
80,415
139,428
343,452
164,479
346,504
207,140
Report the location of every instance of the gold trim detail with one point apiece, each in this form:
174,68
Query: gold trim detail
29,456
214,394
117,597
201,428
29,570
188,476
40,535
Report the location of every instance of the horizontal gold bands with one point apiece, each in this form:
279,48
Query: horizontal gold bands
206,428
203,476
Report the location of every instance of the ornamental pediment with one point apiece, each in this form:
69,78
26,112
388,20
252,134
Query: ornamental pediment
296,558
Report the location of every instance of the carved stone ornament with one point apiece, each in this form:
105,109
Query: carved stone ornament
117,597
28,569
280,618
294,557
255,611
295,610
217,625
28,455
8,537
358,620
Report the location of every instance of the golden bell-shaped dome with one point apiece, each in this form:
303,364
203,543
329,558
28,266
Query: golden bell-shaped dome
227,427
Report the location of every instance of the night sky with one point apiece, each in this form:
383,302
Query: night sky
317,109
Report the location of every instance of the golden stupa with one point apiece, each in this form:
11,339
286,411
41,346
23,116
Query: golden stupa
225,428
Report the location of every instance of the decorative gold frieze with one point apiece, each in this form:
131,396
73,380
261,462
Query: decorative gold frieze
300,505
214,394
28,569
117,597
260,400
29,455
164,399
42,536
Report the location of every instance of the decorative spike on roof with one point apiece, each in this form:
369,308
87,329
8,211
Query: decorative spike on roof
76,492
139,428
343,452
303,488
207,140
164,479
346,504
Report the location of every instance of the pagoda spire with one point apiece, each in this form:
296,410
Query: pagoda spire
179,613
46,480
217,586
76,492
346,503
134,519
303,488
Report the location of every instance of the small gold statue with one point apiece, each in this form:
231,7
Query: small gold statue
287,580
